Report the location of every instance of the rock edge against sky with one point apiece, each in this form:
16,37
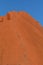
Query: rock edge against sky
21,40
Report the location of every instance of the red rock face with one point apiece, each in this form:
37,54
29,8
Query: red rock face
21,40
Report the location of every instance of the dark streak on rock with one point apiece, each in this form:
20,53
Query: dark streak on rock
8,16
1,19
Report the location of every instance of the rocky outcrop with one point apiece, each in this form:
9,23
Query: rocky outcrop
21,40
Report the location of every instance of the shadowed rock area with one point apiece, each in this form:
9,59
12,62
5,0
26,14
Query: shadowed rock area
21,40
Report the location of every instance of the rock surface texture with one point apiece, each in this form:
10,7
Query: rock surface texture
21,40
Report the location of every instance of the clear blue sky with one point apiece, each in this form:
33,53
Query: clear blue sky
33,7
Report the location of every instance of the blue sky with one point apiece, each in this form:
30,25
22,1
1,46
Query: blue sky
33,7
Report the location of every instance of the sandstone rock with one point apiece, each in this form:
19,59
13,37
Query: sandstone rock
21,40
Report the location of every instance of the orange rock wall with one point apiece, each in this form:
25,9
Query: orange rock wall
21,40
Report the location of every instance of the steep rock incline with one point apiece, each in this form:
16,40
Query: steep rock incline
21,40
